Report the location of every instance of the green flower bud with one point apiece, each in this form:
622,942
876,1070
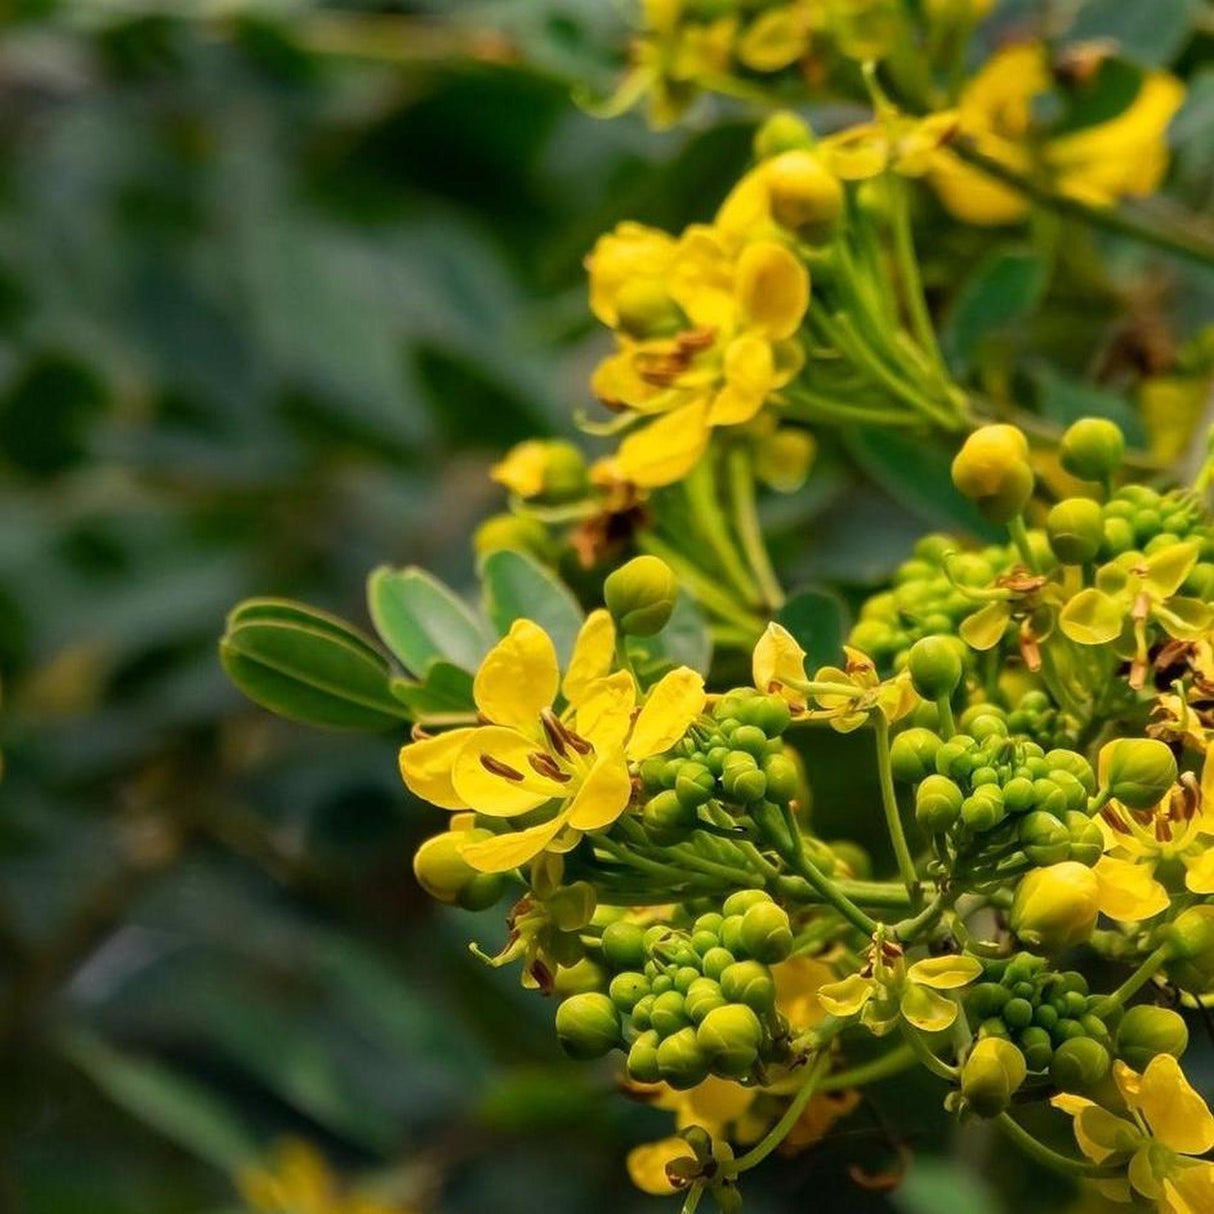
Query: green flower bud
1055,908
747,787
1037,1046
986,999
1087,841
784,131
729,1037
984,809
770,713
667,817
1018,1013
627,990
1079,1064
912,755
588,1025
1191,936
444,874
783,778
935,666
993,1070
1092,449
992,469
751,983
694,785
1076,530
740,901
806,197
572,906
641,595
624,945
668,1013
643,1058
702,996
1045,840
938,804
717,961
1138,771
681,1062
767,933
585,975
1145,1031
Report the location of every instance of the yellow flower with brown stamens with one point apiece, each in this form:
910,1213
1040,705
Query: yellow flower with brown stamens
527,754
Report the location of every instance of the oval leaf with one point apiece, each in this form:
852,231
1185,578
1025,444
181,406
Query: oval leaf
517,587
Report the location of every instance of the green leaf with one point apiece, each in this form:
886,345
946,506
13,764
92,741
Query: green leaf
421,621
178,1108
309,667
1150,34
1064,400
518,587
1004,289
1109,91
818,621
685,641
445,691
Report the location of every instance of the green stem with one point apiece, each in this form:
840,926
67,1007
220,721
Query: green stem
780,1130
701,489
750,532
1139,978
1020,537
948,726
919,1047
821,408
889,802
890,1063
908,929
692,1202
908,270
1047,1156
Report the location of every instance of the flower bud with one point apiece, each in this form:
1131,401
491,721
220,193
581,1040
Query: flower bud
912,755
643,1058
668,1013
1191,936
668,817
552,469
1055,908
992,469
702,996
935,666
1087,840
445,875
1076,530
1079,1063
645,310
729,1038
1145,1031
624,945
938,804
1092,449
992,1072
806,196
588,1025
766,933
640,595
740,901
783,778
681,1062
749,982
784,131
628,989
511,533
784,457
1045,840
1138,771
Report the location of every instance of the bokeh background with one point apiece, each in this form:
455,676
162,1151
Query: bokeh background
277,282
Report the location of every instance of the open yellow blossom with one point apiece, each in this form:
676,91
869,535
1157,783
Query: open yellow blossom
1168,1124
893,698
778,666
294,1179
1177,832
896,142
527,755
1123,157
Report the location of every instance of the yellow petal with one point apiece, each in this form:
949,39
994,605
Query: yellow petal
749,375
670,707
426,766
777,662
847,997
1177,1115
713,1104
522,471
498,795
1189,1189
1129,891
1199,875
798,981
504,852
773,289
604,716
603,795
647,1164
926,1010
593,652
667,449
518,678
945,973
747,207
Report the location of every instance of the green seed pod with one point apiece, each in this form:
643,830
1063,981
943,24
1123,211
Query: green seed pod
1145,1031
643,1058
1092,449
767,933
717,961
680,1060
1138,771
702,996
912,755
668,1013
1045,840
935,666
751,983
627,989
1076,530
588,1025
1056,907
1037,1047
624,945
993,1070
444,874
1191,937
938,804
729,1037
1079,1064
641,595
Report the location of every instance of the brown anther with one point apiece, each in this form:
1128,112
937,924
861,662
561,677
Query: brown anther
554,731
1188,800
1113,819
1163,828
497,768
545,765
1030,648
696,339
1021,581
577,741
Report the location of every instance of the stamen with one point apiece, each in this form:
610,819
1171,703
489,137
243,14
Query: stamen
554,732
497,768
545,765
577,741
1110,815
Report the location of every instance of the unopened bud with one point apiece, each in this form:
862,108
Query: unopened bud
1137,771
1055,908
729,1037
992,469
766,933
444,874
935,666
588,1025
641,595
938,804
1092,449
912,755
511,533
1076,530
1191,936
806,197
1079,1063
784,131
993,1071
681,1062
1145,1031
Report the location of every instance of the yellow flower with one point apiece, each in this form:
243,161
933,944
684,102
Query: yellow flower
778,665
294,1179
1125,156
522,471
886,989
1137,845
897,142
528,756
777,38
1168,1124
893,698
648,1165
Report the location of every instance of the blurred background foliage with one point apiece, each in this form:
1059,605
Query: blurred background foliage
277,283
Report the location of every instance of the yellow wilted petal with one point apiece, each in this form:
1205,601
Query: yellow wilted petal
670,707
945,973
518,678
593,652
426,767
605,714
777,662
773,289
1177,1115
1091,618
647,1164
667,449
926,1010
504,852
1129,891
501,796
522,471
603,795
847,997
